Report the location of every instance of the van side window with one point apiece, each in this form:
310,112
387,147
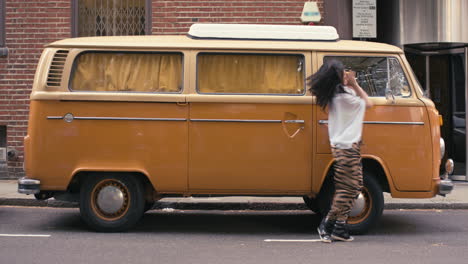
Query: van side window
250,74
378,76
127,72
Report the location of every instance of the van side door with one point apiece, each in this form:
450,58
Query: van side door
250,129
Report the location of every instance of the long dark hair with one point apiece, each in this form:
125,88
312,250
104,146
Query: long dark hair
327,82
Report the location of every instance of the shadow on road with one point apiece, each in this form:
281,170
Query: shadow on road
228,222
393,222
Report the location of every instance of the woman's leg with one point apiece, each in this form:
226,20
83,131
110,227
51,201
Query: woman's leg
348,183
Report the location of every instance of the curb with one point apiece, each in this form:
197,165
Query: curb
228,206
36,203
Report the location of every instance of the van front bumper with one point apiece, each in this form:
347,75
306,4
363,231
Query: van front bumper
445,184
445,187
29,186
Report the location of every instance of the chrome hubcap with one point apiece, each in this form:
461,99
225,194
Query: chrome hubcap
110,199
359,206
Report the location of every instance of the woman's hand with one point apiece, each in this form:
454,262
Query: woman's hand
369,103
350,80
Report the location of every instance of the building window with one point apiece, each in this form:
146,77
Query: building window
250,74
111,17
3,49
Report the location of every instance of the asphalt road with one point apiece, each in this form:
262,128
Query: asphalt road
50,235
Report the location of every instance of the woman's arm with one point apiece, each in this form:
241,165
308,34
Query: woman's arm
351,81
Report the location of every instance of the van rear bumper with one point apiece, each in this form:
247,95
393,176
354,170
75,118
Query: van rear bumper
29,186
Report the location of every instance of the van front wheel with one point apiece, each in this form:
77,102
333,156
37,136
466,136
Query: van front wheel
367,208
312,204
111,202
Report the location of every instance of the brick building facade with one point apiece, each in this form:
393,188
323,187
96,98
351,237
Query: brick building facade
27,25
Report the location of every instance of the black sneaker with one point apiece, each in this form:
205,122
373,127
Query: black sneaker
340,232
324,230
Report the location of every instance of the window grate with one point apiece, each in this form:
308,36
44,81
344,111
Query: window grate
54,77
111,18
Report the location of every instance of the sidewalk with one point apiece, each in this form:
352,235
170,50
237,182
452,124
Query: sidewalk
458,199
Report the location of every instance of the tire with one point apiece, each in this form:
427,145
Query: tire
312,204
148,206
362,218
111,202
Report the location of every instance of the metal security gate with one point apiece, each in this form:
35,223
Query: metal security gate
112,17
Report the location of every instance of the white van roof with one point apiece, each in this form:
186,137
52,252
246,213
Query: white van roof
169,42
263,32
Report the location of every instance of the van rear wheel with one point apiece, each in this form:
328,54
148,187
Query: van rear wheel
367,209
111,202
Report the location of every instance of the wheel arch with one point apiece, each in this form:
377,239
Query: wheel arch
377,170
80,176
371,164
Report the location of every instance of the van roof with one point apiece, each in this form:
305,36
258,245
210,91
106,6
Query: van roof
184,42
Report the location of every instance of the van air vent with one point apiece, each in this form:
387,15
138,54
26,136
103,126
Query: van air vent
56,68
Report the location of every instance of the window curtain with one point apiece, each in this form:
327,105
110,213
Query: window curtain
250,74
132,72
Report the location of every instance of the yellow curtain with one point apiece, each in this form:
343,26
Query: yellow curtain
244,74
133,72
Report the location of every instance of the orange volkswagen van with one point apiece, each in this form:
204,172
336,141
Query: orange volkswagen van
117,123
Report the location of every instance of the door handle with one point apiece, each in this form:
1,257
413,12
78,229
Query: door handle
294,121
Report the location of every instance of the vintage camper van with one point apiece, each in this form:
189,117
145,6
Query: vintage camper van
117,123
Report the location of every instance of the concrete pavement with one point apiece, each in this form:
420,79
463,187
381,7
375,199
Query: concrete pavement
458,199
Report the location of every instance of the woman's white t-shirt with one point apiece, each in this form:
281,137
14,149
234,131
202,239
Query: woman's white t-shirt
345,117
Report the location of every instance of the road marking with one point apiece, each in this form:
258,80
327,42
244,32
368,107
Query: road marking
292,240
22,235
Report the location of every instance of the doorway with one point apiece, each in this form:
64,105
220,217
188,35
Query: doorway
441,70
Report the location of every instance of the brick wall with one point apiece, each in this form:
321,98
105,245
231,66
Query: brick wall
175,17
29,25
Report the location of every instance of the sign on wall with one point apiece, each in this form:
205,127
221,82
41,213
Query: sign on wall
364,19
310,12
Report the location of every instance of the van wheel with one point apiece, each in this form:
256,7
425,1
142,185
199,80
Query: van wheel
111,203
148,206
312,204
367,208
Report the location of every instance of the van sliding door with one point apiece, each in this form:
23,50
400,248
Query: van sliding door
250,128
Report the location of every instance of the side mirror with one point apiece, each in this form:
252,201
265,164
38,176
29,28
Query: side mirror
390,95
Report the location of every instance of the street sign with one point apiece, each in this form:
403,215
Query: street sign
364,19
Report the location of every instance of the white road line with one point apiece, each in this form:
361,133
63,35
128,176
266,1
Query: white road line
22,235
292,240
